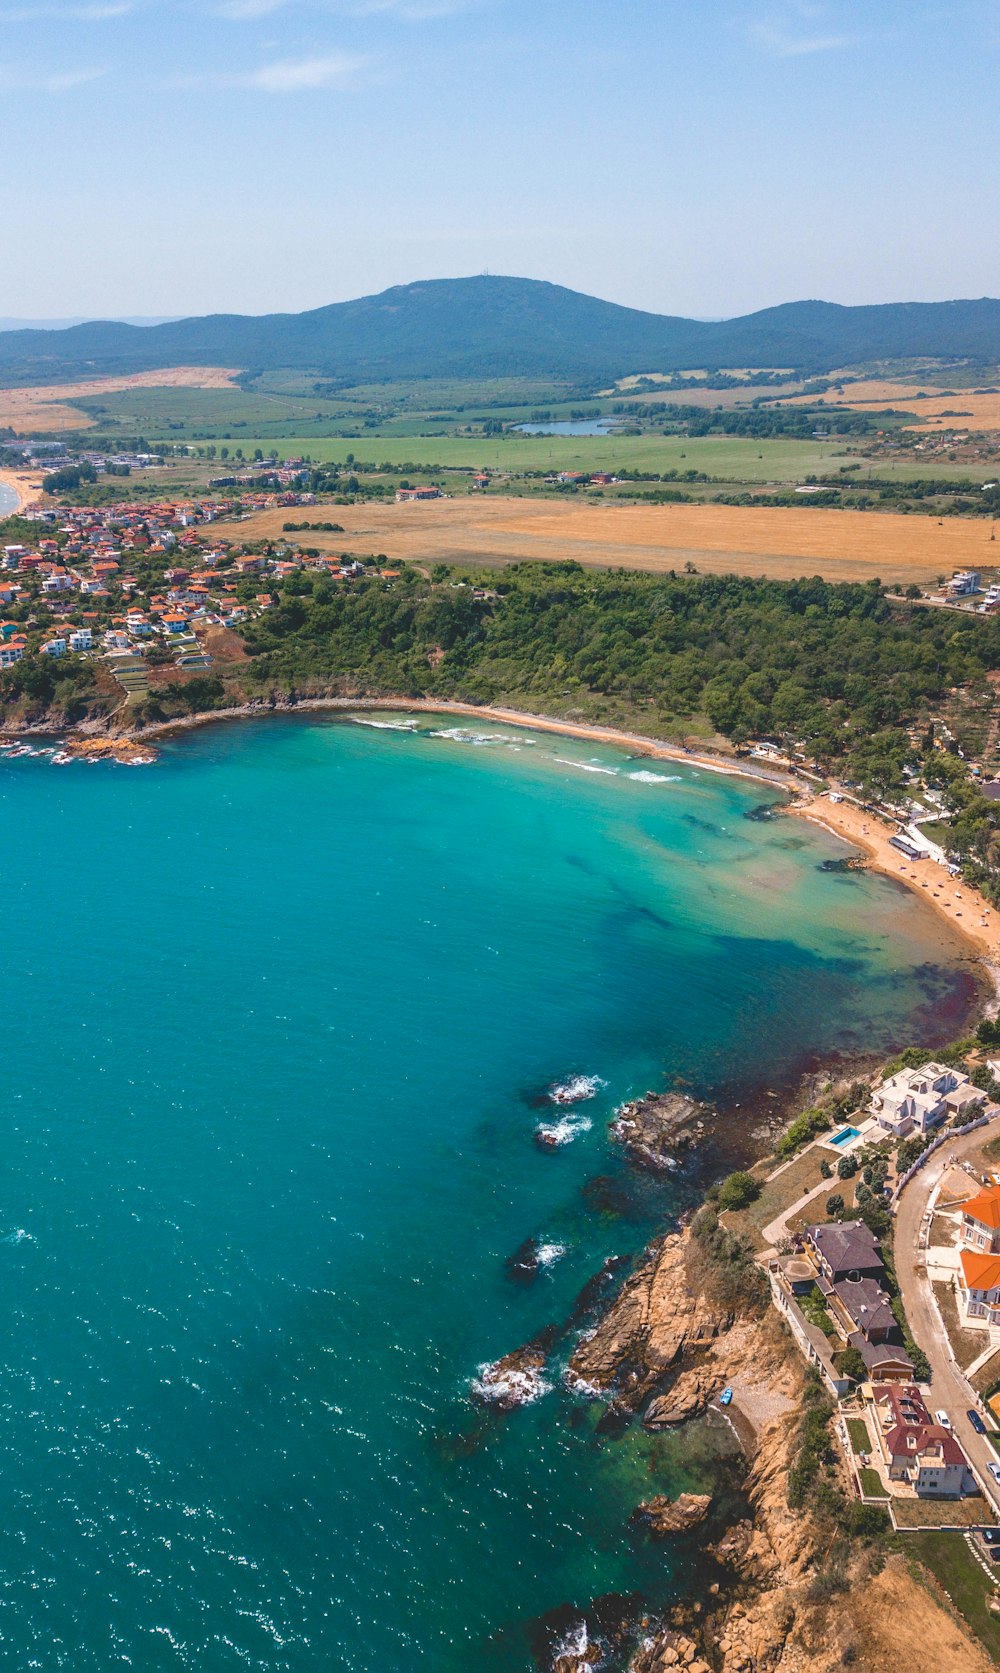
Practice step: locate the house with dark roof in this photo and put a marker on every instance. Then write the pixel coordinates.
(844, 1250)
(863, 1311)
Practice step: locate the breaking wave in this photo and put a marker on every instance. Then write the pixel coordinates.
(586, 766)
(385, 725)
(576, 1089)
(645, 777)
(554, 1134)
(497, 1384)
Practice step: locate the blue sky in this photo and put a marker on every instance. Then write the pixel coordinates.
(700, 157)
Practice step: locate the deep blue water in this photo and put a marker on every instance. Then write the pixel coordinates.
(278, 1015)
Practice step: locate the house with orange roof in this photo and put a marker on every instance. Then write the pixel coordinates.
(979, 1283)
(981, 1221)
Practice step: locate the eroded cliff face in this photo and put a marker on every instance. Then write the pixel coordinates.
(664, 1350)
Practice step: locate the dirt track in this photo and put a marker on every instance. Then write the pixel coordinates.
(841, 545)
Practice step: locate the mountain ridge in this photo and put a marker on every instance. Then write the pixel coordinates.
(496, 326)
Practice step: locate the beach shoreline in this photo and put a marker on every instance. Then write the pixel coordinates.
(653, 748)
(24, 485)
(963, 907)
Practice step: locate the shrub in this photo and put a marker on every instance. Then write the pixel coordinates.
(834, 1204)
(738, 1191)
(802, 1129)
(852, 1365)
(847, 1167)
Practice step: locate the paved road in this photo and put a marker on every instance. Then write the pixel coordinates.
(948, 1390)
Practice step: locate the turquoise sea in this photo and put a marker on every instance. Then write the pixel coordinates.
(280, 1016)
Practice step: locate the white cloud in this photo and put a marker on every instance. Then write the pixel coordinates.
(95, 13)
(783, 44)
(290, 75)
(409, 11)
(239, 11)
(14, 80)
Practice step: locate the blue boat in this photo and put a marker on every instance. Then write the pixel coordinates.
(725, 1397)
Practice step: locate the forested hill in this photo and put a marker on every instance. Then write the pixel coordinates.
(490, 327)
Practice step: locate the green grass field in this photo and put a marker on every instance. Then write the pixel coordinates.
(727, 459)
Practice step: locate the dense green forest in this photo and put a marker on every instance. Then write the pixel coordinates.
(835, 666)
(855, 680)
(494, 326)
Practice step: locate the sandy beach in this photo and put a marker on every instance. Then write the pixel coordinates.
(26, 485)
(964, 907)
(655, 748)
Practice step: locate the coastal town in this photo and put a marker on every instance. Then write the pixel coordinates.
(876, 1224)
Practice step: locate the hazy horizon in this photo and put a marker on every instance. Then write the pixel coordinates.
(145, 321)
(700, 159)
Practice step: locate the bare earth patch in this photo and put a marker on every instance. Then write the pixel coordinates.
(979, 412)
(745, 540)
(896, 1625)
(43, 409)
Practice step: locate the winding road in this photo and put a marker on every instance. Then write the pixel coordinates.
(949, 1390)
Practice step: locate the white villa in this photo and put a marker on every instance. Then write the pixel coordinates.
(917, 1100)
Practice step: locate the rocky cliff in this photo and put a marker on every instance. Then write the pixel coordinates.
(663, 1351)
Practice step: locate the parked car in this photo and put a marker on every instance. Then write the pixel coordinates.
(976, 1421)
(725, 1397)
(943, 1419)
(994, 1470)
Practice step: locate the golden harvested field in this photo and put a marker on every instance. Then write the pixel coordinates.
(42, 410)
(981, 412)
(840, 545)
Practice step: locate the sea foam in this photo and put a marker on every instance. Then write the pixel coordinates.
(576, 1089)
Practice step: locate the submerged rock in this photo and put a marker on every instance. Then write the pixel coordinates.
(531, 1258)
(658, 1128)
(662, 1516)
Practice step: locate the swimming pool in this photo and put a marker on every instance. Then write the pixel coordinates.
(845, 1135)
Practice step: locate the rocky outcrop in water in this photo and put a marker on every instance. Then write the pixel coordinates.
(662, 1516)
(657, 1129)
(517, 1378)
(658, 1321)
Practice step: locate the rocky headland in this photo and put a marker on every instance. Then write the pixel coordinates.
(800, 1597)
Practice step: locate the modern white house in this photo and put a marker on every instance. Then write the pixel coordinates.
(963, 583)
(81, 639)
(918, 1100)
(978, 1273)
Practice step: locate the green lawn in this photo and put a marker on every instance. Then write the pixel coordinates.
(719, 456)
(872, 1484)
(949, 1560)
(857, 1428)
